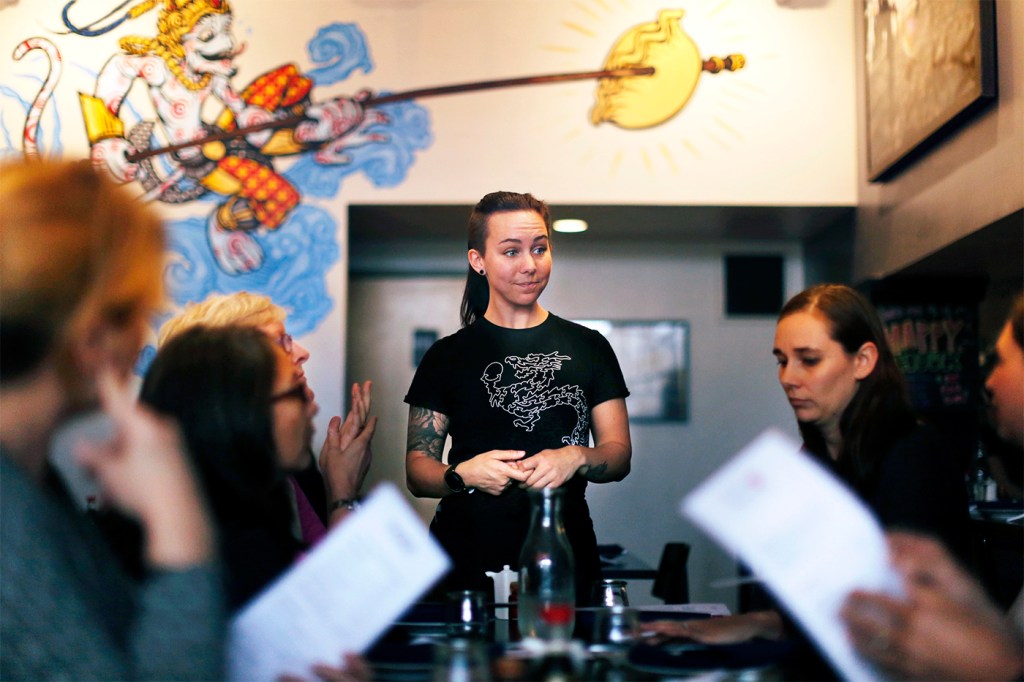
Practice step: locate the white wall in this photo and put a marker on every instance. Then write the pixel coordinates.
(778, 132)
(734, 392)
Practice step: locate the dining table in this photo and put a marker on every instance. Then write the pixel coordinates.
(428, 642)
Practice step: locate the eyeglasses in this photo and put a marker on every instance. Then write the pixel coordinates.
(296, 391)
(285, 341)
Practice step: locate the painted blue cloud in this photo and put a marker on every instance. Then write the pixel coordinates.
(297, 258)
(338, 50)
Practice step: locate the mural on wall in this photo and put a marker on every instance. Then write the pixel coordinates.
(646, 101)
(679, 116)
(255, 232)
(164, 114)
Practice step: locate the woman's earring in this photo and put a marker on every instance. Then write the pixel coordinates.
(482, 271)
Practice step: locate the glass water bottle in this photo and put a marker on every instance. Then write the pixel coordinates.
(547, 576)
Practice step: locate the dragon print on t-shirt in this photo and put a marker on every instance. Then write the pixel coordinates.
(533, 392)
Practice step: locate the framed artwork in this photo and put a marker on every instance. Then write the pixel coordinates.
(928, 66)
(655, 360)
(422, 340)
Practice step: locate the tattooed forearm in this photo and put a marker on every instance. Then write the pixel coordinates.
(594, 472)
(427, 431)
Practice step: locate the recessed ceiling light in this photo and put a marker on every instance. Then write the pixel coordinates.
(570, 225)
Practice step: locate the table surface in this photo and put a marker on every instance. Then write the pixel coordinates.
(421, 637)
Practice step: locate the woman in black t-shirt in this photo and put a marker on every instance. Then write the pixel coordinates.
(850, 401)
(520, 391)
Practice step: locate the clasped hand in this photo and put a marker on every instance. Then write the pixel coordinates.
(495, 470)
(551, 468)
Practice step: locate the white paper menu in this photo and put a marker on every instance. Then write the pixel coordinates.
(341, 596)
(803, 533)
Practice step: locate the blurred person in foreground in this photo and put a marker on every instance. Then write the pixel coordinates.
(850, 401)
(322, 496)
(946, 627)
(80, 271)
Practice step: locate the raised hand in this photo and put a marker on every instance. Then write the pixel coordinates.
(346, 454)
(356, 418)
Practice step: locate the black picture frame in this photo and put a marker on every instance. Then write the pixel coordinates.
(912, 98)
(655, 359)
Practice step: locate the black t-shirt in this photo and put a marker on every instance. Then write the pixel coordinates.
(514, 389)
(918, 486)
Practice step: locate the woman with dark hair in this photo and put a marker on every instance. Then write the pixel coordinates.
(519, 390)
(867, 409)
(851, 405)
(247, 420)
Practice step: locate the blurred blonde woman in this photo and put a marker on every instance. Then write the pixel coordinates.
(80, 270)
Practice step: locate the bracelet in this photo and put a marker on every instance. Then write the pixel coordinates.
(351, 504)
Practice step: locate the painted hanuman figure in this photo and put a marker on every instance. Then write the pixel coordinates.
(190, 59)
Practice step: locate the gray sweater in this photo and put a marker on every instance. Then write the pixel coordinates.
(67, 612)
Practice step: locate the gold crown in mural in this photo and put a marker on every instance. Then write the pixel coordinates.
(179, 16)
(176, 16)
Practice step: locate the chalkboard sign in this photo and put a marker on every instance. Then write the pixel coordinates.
(932, 325)
(936, 346)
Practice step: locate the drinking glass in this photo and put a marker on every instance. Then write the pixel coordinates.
(461, 660)
(609, 593)
(467, 614)
(616, 627)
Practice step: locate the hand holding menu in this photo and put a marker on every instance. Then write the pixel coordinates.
(341, 596)
(806, 535)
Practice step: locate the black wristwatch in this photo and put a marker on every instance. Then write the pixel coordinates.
(453, 481)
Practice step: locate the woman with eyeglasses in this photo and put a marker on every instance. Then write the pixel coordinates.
(329, 488)
(246, 416)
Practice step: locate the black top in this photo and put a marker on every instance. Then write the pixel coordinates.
(254, 548)
(514, 389)
(919, 486)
